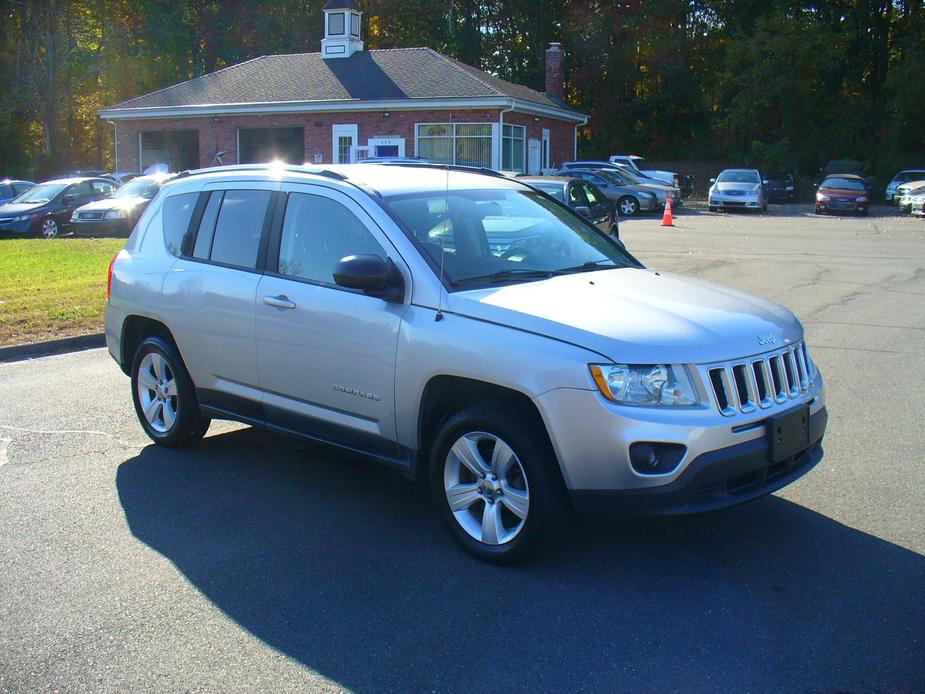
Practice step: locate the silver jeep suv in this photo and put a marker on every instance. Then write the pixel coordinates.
(467, 329)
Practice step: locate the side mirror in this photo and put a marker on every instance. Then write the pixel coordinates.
(712, 181)
(69, 199)
(371, 275)
(583, 210)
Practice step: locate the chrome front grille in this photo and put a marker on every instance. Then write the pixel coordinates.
(761, 382)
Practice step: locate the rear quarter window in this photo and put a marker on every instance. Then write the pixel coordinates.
(178, 210)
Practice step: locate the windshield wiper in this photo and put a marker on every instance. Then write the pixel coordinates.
(590, 266)
(506, 275)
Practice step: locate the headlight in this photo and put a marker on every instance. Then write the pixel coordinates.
(116, 214)
(863, 198)
(821, 198)
(644, 194)
(653, 385)
(25, 218)
(788, 188)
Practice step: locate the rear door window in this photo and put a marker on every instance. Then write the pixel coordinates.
(239, 227)
(6, 191)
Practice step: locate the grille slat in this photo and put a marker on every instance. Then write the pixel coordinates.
(761, 382)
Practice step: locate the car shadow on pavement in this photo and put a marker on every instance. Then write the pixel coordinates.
(343, 566)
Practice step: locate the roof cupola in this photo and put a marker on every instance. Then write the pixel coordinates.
(341, 29)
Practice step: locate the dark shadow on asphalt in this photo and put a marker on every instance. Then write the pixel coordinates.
(343, 566)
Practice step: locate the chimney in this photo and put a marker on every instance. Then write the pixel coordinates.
(555, 77)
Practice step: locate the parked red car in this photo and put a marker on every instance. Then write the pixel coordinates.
(842, 193)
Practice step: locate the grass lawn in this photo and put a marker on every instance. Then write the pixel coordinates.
(51, 289)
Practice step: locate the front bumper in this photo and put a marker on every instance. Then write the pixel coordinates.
(840, 206)
(593, 437)
(751, 202)
(713, 480)
(101, 228)
(9, 228)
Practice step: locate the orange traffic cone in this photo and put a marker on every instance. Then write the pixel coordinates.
(667, 221)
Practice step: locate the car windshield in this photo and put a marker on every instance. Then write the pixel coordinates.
(905, 176)
(615, 177)
(739, 177)
(843, 184)
(139, 188)
(487, 237)
(42, 192)
(631, 179)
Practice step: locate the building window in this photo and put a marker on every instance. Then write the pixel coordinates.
(355, 24)
(336, 24)
(344, 143)
(465, 144)
(512, 148)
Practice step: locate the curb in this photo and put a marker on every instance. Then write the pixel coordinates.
(45, 349)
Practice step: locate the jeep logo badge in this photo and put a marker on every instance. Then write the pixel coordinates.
(765, 339)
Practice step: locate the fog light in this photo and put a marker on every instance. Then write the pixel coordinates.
(649, 458)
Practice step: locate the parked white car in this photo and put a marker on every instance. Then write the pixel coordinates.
(892, 194)
(738, 188)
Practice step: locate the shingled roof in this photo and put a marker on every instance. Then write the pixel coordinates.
(373, 75)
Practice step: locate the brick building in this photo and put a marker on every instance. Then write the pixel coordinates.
(346, 103)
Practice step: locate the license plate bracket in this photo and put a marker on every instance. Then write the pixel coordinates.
(788, 434)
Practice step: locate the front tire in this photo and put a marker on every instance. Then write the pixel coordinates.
(628, 206)
(495, 481)
(49, 228)
(164, 397)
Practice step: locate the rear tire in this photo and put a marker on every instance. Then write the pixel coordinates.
(713, 208)
(503, 478)
(164, 396)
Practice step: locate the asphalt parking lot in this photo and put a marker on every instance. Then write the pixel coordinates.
(259, 563)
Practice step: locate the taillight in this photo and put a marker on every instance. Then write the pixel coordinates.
(109, 277)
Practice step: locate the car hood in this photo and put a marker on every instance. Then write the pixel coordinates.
(20, 208)
(637, 316)
(113, 204)
(726, 187)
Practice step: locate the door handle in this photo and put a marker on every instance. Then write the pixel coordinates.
(279, 302)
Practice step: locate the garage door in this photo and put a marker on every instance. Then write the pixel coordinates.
(260, 145)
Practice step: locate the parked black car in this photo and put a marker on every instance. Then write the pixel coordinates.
(582, 196)
(10, 189)
(45, 209)
(116, 216)
(780, 187)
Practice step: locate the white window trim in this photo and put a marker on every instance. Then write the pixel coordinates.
(342, 130)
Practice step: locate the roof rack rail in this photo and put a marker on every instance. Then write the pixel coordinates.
(485, 171)
(294, 168)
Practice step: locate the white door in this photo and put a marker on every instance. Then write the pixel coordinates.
(533, 157)
(344, 138)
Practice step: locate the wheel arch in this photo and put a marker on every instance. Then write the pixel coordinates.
(135, 330)
(444, 395)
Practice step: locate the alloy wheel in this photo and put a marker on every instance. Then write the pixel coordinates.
(486, 488)
(49, 228)
(157, 392)
(628, 206)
